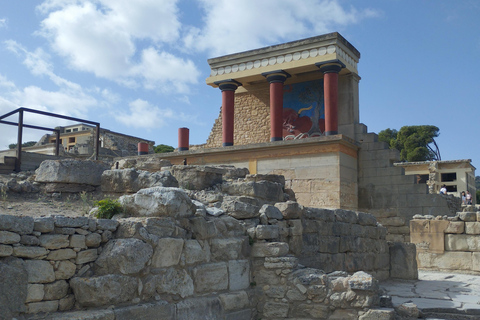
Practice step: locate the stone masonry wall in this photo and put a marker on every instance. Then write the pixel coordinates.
(251, 120)
(448, 243)
(390, 195)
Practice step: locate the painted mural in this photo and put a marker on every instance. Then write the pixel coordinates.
(303, 110)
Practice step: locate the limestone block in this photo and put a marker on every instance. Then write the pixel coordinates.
(161, 227)
(5, 250)
(403, 263)
(431, 242)
(18, 224)
(196, 251)
(266, 190)
(124, 256)
(29, 252)
(197, 177)
(281, 262)
(61, 254)
(13, 287)
(66, 303)
(56, 290)
(44, 306)
(70, 222)
(366, 219)
(44, 224)
(275, 309)
(107, 224)
(326, 215)
(241, 207)
(211, 277)
(238, 274)
(341, 229)
(455, 227)
(456, 242)
(35, 292)
(267, 232)
(270, 212)
(54, 241)
(71, 171)
(347, 216)
(200, 308)
(175, 282)
(234, 301)
(378, 314)
(295, 227)
(446, 261)
(472, 227)
(227, 249)
(86, 256)
(131, 180)
(157, 202)
(309, 311)
(202, 228)
(329, 244)
(290, 209)
(167, 252)
(476, 261)
(39, 271)
(473, 242)
(65, 270)
(276, 292)
(104, 290)
(7, 237)
(392, 221)
(155, 310)
(27, 240)
(269, 249)
(104, 314)
(467, 216)
(93, 240)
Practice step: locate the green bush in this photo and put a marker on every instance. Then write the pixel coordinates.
(107, 208)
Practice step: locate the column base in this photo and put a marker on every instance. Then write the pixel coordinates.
(331, 133)
(183, 149)
(141, 153)
(228, 144)
(276, 139)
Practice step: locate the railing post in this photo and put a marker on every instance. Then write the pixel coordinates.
(18, 162)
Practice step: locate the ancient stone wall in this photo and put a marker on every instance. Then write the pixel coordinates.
(448, 244)
(390, 195)
(251, 120)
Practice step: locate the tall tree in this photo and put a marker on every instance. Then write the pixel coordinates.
(413, 142)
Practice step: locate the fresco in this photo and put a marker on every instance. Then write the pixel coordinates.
(303, 110)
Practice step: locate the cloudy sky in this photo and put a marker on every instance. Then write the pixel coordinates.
(139, 67)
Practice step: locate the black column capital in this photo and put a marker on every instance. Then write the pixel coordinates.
(228, 85)
(276, 76)
(330, 66)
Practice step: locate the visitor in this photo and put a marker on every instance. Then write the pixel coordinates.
(468, 198)
(443, 190)
(464, 198)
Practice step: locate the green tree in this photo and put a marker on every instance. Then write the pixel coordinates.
(413, 142)
(25, 144)
(161, 148)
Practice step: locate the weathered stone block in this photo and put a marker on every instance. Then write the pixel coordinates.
(456, 242)
(103, 290)
(227, 249)
(455, 227)
(104, 314)
(54, 241)
(5, 250)
(13, 287)
(29, 252)
(93, 240)
(77, 241)
(447, 260)
(403, 263)
(472, 227)
(61, 254)
(269, 249)
(131, 180)
(200, 308)
(124, 256)
(234, 301)
(44, 224)
(65, 270)
(197, 177)
(241, 207)
(267, 232)
(56, 290)
(39, 271)
(476, 261)
(270, 212)
(211, 277)
(275, 309)
(44, 306)
(290, 209)
(267, 190)
(35, 292)
(86, 256)
(70, 222)
(167, 252)
(196, 251)
(175, 282)
(467, 216)
(238, 274)
(71, 171)
(18, 224)
(7, 237)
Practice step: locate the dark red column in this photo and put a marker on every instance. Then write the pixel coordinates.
(276, 80)
(330, 70)
(183, 139)
(228, 88)
(142, 148)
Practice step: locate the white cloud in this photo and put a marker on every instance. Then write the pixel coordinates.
(105, 37)
(3, 23)
(233, 26)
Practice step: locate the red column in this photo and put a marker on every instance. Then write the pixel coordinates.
(330, 70)
(276, 80)
(142, 148)
(183, 139)
(228, 88)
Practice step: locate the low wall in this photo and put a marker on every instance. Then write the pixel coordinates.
(448, 244)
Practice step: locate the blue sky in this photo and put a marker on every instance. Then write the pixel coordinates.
(139, 67)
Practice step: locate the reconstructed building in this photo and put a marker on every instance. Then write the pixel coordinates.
(293, 109)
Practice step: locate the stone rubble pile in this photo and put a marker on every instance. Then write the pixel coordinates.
(227, 245)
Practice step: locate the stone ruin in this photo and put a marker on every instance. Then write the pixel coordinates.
(194, 242)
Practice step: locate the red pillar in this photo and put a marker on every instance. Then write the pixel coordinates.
(330, 70)
(142, 148)
(183, 139)
(228, 88)
(276, 80)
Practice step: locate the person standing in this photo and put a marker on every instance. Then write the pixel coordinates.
(468, 198)
(464, 198)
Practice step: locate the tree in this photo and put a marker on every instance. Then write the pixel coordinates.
(413, 142)
(477, 186)
(25, 144)
(162, 148)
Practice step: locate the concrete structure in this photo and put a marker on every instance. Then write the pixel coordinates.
(457, 175)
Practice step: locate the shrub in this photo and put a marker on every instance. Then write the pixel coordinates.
(107, 208)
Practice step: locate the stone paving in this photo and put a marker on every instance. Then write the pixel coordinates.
(437, 293)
